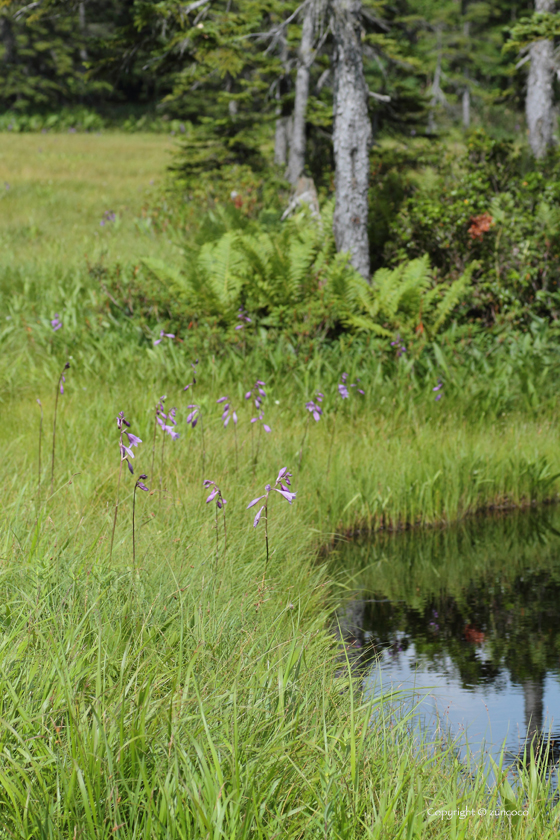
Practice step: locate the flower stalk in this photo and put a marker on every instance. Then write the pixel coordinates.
(39, 403)
(280, 486)
(59, 391)
(138, 485)
(216, 496)
(125, 453)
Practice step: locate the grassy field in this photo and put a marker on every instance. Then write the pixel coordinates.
(56, 188)
(198, 692)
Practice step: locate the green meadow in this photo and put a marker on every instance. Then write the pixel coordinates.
(197, 691)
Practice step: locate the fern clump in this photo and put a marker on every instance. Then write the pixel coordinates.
(291, 274)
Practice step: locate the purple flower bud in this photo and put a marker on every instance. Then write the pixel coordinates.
(266, 428)
(142, 486)
(212, 495)
(248, 395)
(129, 465)
(257, 518)
(255, 501)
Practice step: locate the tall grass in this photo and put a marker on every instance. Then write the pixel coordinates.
(174, 699)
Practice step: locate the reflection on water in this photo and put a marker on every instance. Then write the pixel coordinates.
(467, 618)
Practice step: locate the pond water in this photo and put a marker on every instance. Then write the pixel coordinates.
(468, 620)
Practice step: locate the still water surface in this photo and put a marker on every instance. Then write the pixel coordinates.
(467, 619)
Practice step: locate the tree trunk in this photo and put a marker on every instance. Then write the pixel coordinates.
(8, 39)
(281, 138)
(538, 105)
(466, 108)
(83, 29)
(466, 90)
(283, 122)
(351, 136)
(533, 694)
(305, 60)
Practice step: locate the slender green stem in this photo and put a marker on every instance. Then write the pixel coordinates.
(265, 537)
(40, 444)
(133, 526)
(154, 445)
(217, 538)
(331, 445)
(202, 436)
(116, 507)
(236, 460)
(225, 531)
(303, 440)
(255, 462)
(162, 457)
(54, 435)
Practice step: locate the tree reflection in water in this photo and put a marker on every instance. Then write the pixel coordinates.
(484, 594)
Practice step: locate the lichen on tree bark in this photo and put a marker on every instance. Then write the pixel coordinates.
(538, 104)
(352, 136)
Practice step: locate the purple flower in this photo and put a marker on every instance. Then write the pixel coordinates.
(399, 345)
(227, 412)
(257, 392)
(192, 417)
(168, 427)
(260, 419)
(438, 387)
(215, 493)
(283, 480)
(193, 365)
(343, 388)
(140, 484)
(132, 439)
(163, 335)
(314, 408)
(126, 451)
(108, 216)
(243, 317)
(56, 323)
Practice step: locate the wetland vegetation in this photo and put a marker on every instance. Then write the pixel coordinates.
(263, 368)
